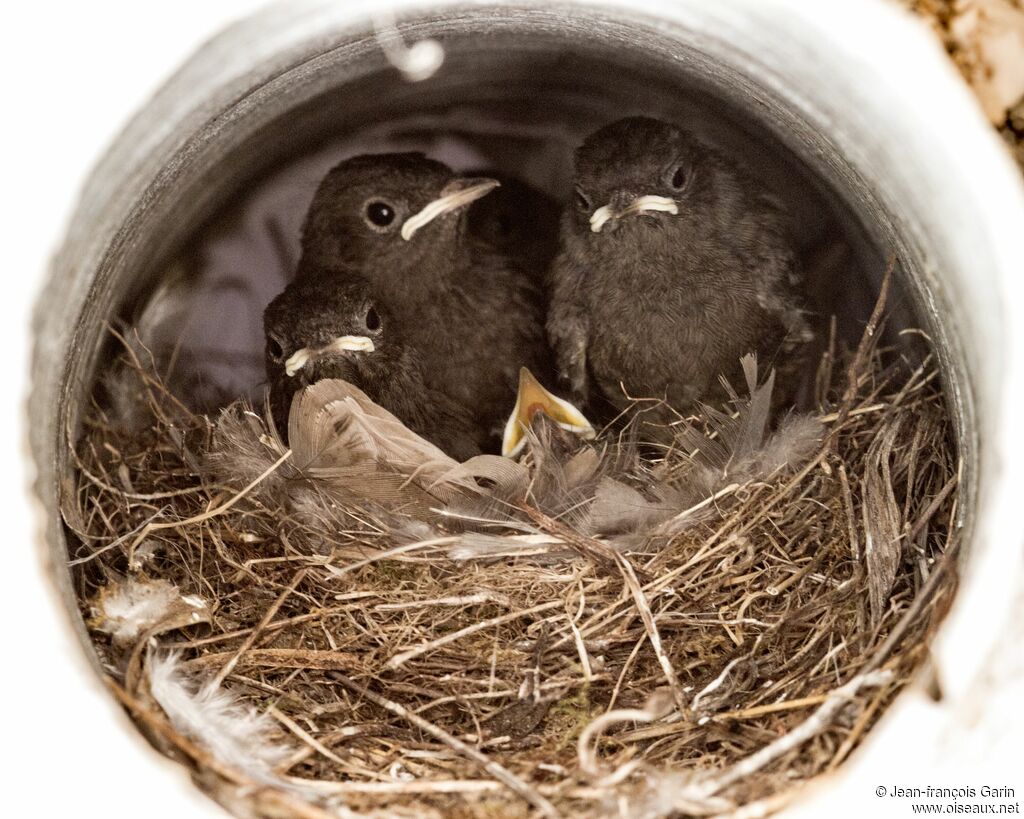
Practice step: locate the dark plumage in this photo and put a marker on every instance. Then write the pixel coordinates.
(469, 310)
(673, 265)
(312, 315)
(522, 223)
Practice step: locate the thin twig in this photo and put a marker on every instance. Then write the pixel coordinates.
(152, 526)
(809, 728)
(652, 631)
(401, 659)
(256, 632)
(502, 774)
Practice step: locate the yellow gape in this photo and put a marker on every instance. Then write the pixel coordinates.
(531, 399)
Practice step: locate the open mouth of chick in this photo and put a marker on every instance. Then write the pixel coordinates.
(532, 398)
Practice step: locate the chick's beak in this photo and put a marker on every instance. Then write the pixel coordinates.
(456, 195)
(531, 399)
(300, 358)
(626, 205)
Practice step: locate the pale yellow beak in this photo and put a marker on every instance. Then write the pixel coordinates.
(456, 195)
(531, 399)
(642, 204)
(300, 358)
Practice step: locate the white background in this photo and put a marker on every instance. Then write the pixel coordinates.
(73, 73)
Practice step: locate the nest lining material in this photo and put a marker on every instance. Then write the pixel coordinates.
(310, 652)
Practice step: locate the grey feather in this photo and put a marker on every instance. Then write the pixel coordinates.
(732, 448)
(883, 546)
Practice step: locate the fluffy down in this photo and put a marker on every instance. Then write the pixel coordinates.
(235, 733)
(128, 609)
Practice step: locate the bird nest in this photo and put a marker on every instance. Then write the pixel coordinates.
(310, 651)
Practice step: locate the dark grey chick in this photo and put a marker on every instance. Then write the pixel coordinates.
(321, 328)
(473, 316)
(673, 264)
(522, 223)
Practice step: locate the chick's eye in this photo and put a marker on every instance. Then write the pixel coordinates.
(274, 349)
(373, 322)
(581, 199)
(678, 178)
(380, 214)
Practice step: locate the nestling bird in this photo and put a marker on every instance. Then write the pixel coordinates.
(533, 399)
(321, 328)
(673, 265)
(522, 223)
(470, 312)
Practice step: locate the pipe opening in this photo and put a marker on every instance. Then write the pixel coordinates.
(208, 232)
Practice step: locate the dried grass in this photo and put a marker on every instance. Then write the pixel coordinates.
(744, 655)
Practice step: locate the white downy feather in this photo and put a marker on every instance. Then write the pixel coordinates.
(234, 732)
(128, 609)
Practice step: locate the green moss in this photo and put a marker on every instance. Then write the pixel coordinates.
(569, 716)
